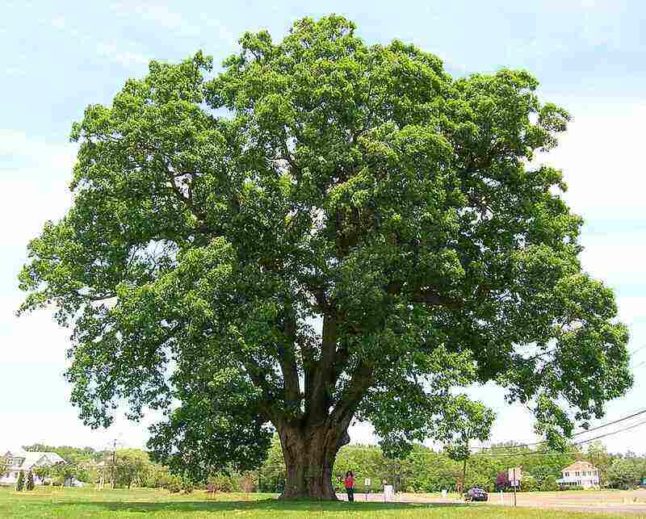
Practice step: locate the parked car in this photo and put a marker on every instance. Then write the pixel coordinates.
(476, 494)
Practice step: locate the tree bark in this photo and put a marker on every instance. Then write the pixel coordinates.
(309, 455)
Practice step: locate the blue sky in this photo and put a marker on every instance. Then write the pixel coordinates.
(57, 57)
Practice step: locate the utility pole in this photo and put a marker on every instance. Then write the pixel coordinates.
(114, 460)
(515, 484)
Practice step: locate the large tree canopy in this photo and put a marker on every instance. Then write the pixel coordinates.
(324, 230)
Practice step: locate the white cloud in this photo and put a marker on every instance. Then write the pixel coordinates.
(160, 14)
(17, 144)
(36, 172)
(617, 260)
(58, 22)
(33, 338)
(631, 308)
(601, 155)
(125, 58)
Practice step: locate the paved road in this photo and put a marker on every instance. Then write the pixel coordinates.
(604, 501)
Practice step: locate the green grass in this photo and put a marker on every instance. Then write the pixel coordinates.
(44, 503)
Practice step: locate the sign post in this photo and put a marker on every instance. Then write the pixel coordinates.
(367, 483)
(515, 481)
(514, 475)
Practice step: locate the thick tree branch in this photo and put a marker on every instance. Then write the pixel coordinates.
(287, 361)
(355, 390)
(318, 379)
(427, 295)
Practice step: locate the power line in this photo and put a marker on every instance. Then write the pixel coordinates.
(602, 426)
(612, 433)
(579, 433)
(638, 349)
(581, 442)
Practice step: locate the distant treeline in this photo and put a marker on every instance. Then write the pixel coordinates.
(423, 470)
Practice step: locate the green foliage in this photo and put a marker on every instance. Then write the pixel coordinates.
(131, 467)
(529, 483)
(174, 484)
(64, 472)
(222, 482)
(20, 482)
(626, 472)
(43, 472)
(548, 484)
(319, 179)
(187, 486)
(81, 463)
(600, 458)
(425, 470)
(271, 475)
(157, 476)
(74, 455)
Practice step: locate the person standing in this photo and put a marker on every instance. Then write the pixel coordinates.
(349, 485)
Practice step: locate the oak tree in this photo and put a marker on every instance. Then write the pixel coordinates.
(324, 230)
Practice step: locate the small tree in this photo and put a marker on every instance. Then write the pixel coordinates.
(42, 472)
(623, 473)
(132, 467)
(20, 484)
(502, 480)
(30, 480)
(548, 484)
(600, 458)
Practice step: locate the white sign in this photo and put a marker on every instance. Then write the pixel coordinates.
(515, 475)
(368, 482)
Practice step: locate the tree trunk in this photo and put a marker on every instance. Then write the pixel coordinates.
(309, 459)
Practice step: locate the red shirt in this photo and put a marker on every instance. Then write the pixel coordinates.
(349, 482)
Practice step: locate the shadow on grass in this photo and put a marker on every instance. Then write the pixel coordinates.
(260, 505)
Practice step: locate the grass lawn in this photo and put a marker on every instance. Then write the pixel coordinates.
(47, 502)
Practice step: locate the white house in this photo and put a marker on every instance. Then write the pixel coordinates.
(580, 474)
(25, 461)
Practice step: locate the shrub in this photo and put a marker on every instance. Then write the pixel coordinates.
(30, 480)
(20, 483)
(223, 483)
(548, 484)
(174, 484)
(248, 482)
(571, 488)
(528, 484)
(502, 480)
(187, 486)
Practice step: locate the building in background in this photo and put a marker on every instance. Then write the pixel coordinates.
(25, 461)
(580, 474)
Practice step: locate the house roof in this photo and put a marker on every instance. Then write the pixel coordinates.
(579, 465)
(32, 459)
